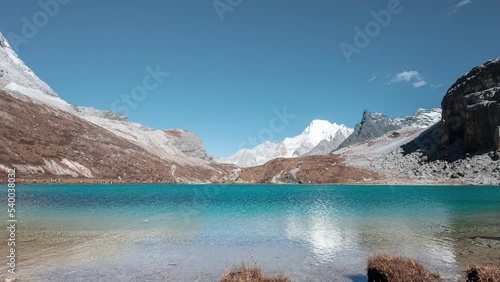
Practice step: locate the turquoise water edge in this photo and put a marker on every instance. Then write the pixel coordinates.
(197, 232)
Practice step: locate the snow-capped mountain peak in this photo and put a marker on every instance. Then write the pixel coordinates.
(321, 129)
(3, 42)
(13, 71)
(318, 131)
(423, 118)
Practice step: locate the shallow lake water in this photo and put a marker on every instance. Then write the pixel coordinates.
(198, 232)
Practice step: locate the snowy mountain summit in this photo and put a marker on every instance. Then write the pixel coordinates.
(15, 74)
(423, 118)
(318, 131)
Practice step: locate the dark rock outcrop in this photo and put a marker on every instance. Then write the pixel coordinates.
(373, 125)
(471, 109)
(497, 139)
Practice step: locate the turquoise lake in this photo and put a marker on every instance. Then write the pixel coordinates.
(198, 232)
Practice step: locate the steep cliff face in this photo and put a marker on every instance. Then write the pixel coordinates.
(162, 143)
(189, 143)
(471, 109)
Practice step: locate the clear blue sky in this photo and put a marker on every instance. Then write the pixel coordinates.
(226, 77)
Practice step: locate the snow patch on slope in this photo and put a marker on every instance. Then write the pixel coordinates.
(56, 169)
(4, 168)
(37, 95)
(80, 169)
(64, 168)
(29, 169)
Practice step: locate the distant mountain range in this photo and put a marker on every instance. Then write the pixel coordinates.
(317, 132)
(322, 137)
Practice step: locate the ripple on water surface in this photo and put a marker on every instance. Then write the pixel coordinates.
(186, 233)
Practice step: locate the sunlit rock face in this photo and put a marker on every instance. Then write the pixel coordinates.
(471, 108)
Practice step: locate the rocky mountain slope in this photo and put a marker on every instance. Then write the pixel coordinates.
(460, 149)
(415, 156)
(317, 132)
(45, 137)
(471, 109)
(163, 143)
(374, 125)
(307, 170)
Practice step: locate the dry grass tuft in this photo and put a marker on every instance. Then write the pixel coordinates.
(478, 273)
(254, 274)
(388, 268)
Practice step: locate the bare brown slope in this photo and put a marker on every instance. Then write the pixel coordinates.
(37, 140)
(327, 169)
